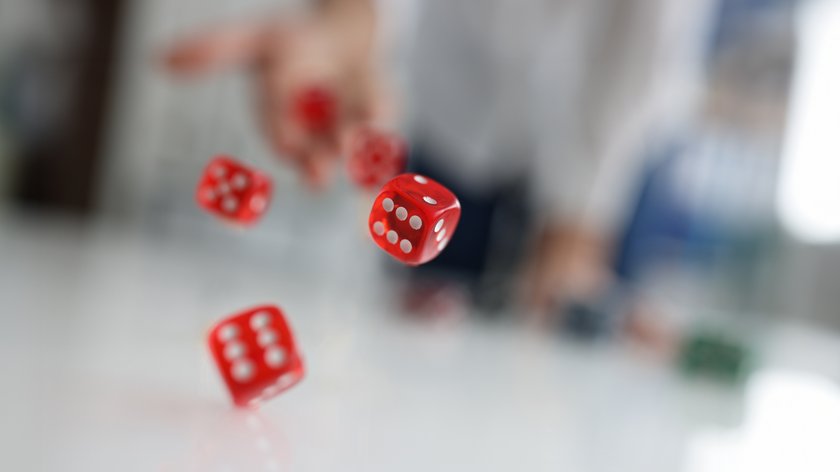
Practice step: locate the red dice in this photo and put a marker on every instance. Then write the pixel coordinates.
(256, 354)
(375, 157)
(413, 218)
(316, 109)
(233, 191)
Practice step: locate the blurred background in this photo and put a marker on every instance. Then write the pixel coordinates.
(709, 343)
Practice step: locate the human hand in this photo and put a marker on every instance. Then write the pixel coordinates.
(567, 263)
(325, 49)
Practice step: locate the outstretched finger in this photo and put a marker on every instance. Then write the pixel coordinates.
(219, 47)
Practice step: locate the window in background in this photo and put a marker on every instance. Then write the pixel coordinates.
(809, 187)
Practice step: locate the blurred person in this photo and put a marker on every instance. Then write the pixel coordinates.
(534, 112)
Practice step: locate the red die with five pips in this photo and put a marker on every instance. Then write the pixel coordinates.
(233, 191)
(413, 218)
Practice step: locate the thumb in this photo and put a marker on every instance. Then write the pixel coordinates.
(218, 48)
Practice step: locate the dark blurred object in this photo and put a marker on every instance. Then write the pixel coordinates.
(714, 356)
(59, 81)
(586, 320)
(594, 318)
(492, 237)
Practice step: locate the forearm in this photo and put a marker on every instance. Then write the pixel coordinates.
(360, 13)
(342, 3)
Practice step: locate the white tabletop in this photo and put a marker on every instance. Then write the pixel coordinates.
(104, 369)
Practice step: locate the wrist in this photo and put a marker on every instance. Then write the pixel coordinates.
(352, 21)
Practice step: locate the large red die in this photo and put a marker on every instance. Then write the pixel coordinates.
(233, 191)
(256, 354)
(413, 218)
(375, 157)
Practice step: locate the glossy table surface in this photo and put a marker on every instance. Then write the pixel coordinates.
(104, 368)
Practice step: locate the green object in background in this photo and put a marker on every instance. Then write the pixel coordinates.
(714, 356)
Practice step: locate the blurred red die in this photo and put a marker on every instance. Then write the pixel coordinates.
(413, 218)
(233, 191)
(256, 354)
(316, 109)
(375, 157)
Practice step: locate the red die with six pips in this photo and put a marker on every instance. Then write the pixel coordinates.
(256, 354)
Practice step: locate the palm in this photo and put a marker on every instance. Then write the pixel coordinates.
(286, 57)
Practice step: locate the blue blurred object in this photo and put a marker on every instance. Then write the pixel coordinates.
(704, 205)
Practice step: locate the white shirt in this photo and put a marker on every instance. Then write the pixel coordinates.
(564, 92)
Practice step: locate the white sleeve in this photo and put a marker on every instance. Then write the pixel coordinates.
(607, 74)
(396, 26)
